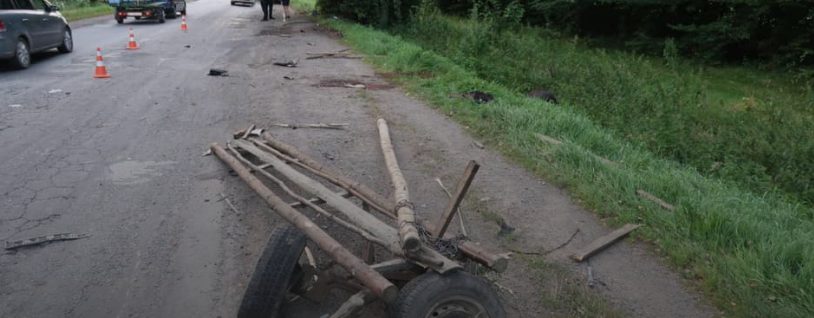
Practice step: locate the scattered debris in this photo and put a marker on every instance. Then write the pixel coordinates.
(603, 242)
(54, 91)
(544, 95)
(554, 141)
(290, 63)
(477, 144)
(341, 54)
(505, 229)
(318, 125)
(657, 200)
(229, 203)
(15, 105)
(288, 77)
(590, 276)
(207, 153)
(247, 132)
(284, 35)
(348, 85)
(187, 46)
(44, 239)
(218, 72)
(309, 43)
(479, 97)
(564, 244)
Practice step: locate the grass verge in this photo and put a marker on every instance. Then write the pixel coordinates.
(74, 12)
(754, 255)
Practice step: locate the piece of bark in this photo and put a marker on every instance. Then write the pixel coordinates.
(377, 284)
(457, 198)
(408, 234)
(603, 242)
(660, 202)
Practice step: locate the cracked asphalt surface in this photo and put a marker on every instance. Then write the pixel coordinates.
(121, 159)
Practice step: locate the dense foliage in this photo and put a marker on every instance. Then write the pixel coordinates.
(776, 32)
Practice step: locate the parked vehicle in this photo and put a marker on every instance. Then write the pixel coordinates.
(148, 9)
(30, 26)
(248, 3)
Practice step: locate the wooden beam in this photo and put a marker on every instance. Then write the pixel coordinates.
(457, 198)
(603, 242)
(408, 234)
(350, 307)
(377, 284)
(315, 200)
(660, 202)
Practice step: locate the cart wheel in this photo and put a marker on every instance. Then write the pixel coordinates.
(455, 294)
(273, 276)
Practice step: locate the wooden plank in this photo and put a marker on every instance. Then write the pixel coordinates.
(457, 198)
(297, 204)
(603, 242)
(660, 202)
(379, 285)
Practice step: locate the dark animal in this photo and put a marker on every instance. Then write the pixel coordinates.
(544, 95)
(479, 97)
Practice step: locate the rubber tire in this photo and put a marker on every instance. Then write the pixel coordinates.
(417, 297)
(119, 21)
(233, 3)
(273, 274)
(15, 61)
(171, 14)
(62, 48)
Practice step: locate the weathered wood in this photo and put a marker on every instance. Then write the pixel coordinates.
(298, 204)
(457, 198)
(248, 131)
(603, 242)
(45, 239)
(355, 214)
(305, 201)
(353, 304)
(459, 212)
(404, 208)
(497, 262)
(494, 261)
(359, 190)
(377, 284)
(657, 200)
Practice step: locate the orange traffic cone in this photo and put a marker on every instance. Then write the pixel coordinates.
(101, 70)
(132, 45)
(184, 23)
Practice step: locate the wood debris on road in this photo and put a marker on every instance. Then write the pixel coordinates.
(603, 242)
(44, 239)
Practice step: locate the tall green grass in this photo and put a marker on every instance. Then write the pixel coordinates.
(74, 10)
(752, 128)
(753, 254)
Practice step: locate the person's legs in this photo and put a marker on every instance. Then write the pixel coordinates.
(285, 4)
(264, 6)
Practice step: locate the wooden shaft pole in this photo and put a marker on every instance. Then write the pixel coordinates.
(455, 201)
(374, 281)
(404, 208)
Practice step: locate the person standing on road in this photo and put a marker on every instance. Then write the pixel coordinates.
(267, 6)
(286, 13)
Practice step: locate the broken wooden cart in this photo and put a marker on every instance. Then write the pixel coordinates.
(426, 264)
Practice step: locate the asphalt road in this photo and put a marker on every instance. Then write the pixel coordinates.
(120, 159)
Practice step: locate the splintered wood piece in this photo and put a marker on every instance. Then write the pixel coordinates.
(317, 125)
(44, 239)
(248, 132)
(554, 141)
(457, 198)
(377, 284)
(408, 234)
(298, 204)
(548, 139)
(660, 202)
(459, 212)
(603, 242)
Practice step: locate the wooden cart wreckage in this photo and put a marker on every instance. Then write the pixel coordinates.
(427, 261)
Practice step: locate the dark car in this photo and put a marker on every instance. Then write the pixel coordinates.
(148, 9)
(30, 26)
